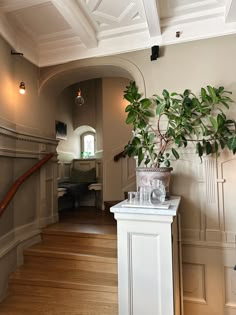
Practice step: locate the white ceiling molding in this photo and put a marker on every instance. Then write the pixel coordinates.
(152, 12)
(230, 11)
(117, 66)
(78, 21)
(51, 32)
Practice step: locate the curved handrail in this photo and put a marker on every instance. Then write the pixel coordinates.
(11, 192)
(120, 155)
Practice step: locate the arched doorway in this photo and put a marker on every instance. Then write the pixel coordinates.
(55, 79)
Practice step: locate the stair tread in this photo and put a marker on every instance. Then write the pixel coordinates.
(82, 230)
(73, 252)
(21, 305)
(74, 278)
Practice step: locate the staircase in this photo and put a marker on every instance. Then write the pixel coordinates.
(68, 273)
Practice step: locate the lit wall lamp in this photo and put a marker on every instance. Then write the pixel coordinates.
(79, 100)
(22, 88)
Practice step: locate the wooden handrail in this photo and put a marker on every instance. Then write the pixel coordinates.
(11, 192)
(120, 155)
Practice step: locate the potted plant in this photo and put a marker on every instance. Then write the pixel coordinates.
(164, 124)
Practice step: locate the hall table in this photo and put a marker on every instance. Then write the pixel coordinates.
(149, 258)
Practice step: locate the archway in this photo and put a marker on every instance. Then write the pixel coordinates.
(57, 78)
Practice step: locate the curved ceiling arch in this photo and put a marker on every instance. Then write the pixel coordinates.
(59, 77)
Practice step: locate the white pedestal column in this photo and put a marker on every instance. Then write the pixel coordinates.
(145, 259)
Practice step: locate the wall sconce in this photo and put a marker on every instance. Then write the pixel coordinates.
(22, 88)
(79, 100)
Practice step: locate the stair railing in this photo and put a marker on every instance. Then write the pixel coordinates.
(15, 186)
(120, 155)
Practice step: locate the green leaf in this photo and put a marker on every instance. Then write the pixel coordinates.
(147, 113)
(160, 109)
(136, 141)
(232, 143)
(167, 163)
(158, 99)
(147, 161)
(212, 92)
(220, 120)
(203, 93)
(146, 103)
(199, 149)
(214, 123)
(220, 89)
(175, 153)
(130, 118)
(140, 156)
(186, 93)
(225, 104)
(208, 148)
(222, 143)
(129, 98)
(128, 108)
(151, 137)
(166, 94)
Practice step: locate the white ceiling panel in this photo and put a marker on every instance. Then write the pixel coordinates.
(109, 14)
(55, 31)
(39, 20)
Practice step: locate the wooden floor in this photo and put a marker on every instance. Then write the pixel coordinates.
(88, 219)
(73, 271)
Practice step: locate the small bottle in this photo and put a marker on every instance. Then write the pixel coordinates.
(158, 194)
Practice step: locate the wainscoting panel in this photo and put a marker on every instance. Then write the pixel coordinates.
(34, 204)
(187, 180)
(140, 245)
(194, 283)
(227, 172)
(203, 280)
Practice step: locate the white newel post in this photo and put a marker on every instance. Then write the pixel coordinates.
(148, 272)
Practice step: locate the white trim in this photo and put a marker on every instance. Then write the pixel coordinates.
(13, 238)
(48, 220)
(129, 67)
(208, 244)
(230, 11)
(20, 234)
(78, 21)
(11, 132)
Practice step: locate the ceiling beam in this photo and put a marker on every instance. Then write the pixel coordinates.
(152, 13)
(80, 24)
(230, 11)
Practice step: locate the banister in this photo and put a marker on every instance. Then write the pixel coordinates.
(120, 155)
(11, 192)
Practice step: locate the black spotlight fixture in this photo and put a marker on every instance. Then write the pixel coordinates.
(155, 53)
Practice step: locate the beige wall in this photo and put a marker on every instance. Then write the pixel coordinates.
(115, 135)
(99, 117)
(85, 114)
(24, 127)
(68, 149)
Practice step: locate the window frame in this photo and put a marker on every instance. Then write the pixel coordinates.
(82, 136)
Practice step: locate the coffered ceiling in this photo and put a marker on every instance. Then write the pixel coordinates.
(56, 31)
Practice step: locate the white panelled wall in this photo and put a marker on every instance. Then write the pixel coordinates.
(208, 233)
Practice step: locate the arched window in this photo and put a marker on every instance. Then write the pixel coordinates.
(88, 144)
